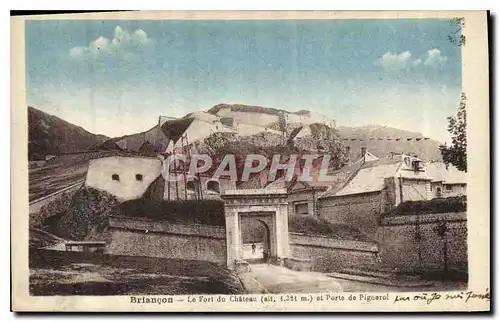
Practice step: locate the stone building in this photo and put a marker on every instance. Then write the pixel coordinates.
(266, 207)
(447, 180)
(133, 177)
(201, 187)
(303, 195)
(373, 188)
(126, 178)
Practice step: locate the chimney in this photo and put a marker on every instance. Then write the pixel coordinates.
(363, 154)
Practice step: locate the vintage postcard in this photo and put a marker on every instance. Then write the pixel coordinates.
(251, 161)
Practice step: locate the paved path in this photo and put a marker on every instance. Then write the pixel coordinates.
(277, 279)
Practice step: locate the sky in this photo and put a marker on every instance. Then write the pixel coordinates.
(116, 77)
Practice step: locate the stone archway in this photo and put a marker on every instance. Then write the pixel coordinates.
(270, 207)
(255, 236)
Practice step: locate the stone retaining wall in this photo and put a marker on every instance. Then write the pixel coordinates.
(328, 254)
(141, 237)
(413, 243)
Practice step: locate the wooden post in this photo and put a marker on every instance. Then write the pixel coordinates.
(418, 239)
(168, 181)
(400, 189)
(200, 188)
(184, 169)
(441, 229)
(445, 253)
(175, 170)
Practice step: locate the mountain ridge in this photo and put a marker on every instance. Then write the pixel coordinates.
(51, 135)
(383, 140)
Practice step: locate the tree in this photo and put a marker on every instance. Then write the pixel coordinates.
(456, 154)
(456, 37)
(282, 126)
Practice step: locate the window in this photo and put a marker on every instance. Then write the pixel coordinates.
(115, 177)
(301, 209)
(448, 187)
(138, 177)
(438, 192)
(191, 186)
(416, 165)
(213, 187)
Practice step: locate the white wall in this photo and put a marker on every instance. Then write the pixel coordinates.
(200, 130)
(243, 129)
(310, 118)
(259, 119)
(263, 119)
(456, 190)
(100, 172)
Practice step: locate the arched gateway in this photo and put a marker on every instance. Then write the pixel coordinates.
(268, 206)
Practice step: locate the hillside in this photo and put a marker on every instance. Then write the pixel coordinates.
(382, 140)
(49, 134)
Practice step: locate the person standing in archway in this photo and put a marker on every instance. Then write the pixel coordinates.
(266, 254)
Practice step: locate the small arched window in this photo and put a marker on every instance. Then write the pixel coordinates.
(138, 177)
(213, 186)
(191, 186)
(115, 177)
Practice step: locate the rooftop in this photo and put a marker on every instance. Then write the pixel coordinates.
(368, 177)
(439, 172)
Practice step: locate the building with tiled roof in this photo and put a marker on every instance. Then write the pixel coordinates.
(303, 194)
(377, 186)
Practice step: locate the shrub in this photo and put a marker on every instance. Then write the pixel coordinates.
(433, 206)
(318, 226)
(53, 209)
(204, 212)
(89, 209)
